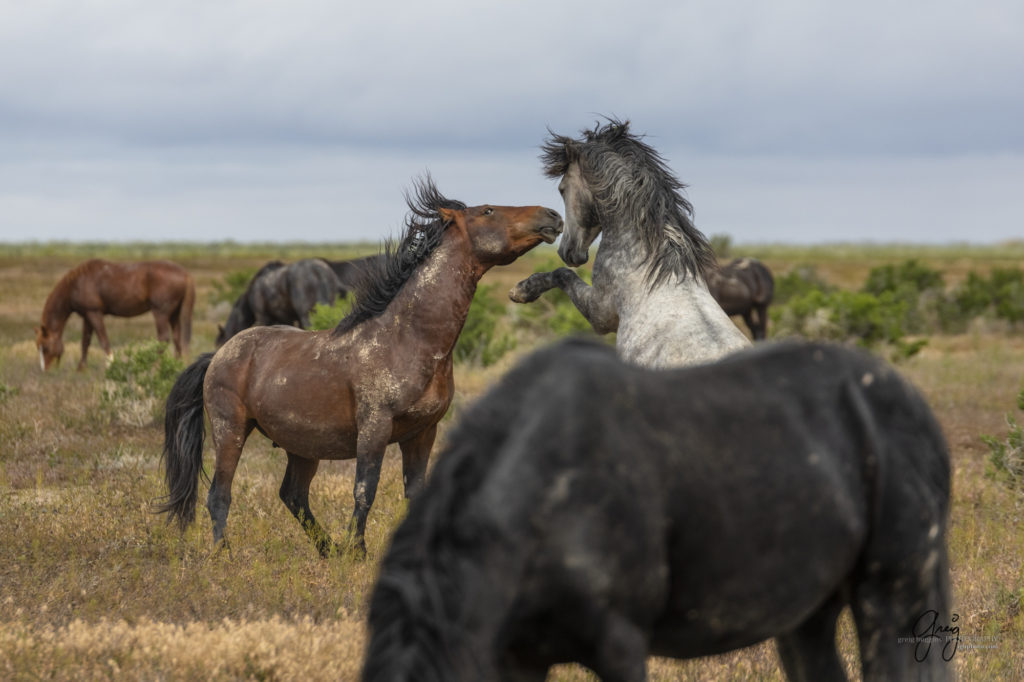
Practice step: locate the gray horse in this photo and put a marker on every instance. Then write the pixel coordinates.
(649, 272)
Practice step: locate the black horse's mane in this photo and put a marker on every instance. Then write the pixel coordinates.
(380, 279)
(632, 183)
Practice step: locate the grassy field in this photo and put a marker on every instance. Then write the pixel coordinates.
(94, 586)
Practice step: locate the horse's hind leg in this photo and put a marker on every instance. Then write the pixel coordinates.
(163, 326)
(762, 321)
(228, 435)
(295, 495)
(905, 622)
(809, 652)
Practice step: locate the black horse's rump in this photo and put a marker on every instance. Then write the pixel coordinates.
(744, 286)
(282, 293)
(589, 510)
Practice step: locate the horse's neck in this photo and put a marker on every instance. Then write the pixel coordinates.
(434, 302)
(675, 322)
(57, 308)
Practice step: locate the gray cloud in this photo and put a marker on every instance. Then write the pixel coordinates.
(216, 116)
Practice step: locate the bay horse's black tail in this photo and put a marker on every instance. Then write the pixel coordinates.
(184, 432)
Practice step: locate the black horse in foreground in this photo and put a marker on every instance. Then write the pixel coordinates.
(590, 510)
(744, 286)
(281, 294)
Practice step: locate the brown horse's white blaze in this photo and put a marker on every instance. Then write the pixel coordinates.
(97, 287)
(347, 393)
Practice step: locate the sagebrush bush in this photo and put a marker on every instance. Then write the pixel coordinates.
(137, 381)
(1006, 455)
(328, 316)
(799, 281)
(917, 287)
(231, 286)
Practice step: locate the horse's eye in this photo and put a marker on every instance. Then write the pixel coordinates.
(488, 211)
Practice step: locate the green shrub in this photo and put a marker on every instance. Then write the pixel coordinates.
(231, 286)
(799, 281)
(908, 276)
(328, 316)
(1006, 456)
(848, 316)
(1000, 295)
(484, 338)
(919, 288)
(137, 381)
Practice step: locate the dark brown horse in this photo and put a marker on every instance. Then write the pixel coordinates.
(99, 287)
(383, 375)
(744, 287)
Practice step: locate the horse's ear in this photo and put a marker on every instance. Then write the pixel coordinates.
(447, 215)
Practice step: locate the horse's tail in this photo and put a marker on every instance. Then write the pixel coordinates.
(184, 432)
(188, 303)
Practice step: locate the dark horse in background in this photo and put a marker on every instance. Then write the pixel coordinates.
(281, 294)
(98, 287)
(383, 375)
(350, 272)
(744, 286)
(587, 509)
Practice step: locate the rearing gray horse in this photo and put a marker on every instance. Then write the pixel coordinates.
(649, 272)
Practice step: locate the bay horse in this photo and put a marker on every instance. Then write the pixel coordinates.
(99, 287)
(590, 510)
(649, 271)
(383, 375)
(281, 294)
(744, 286)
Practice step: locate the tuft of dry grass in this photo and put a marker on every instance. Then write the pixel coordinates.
(93, 585)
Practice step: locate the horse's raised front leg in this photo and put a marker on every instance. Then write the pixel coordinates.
(370, 445)
(295, 495)
(415, 455)
(598, 308)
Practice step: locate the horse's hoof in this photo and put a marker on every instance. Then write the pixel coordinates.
(520, 294)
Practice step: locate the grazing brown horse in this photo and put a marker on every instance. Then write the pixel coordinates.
(744, 287)
(98, 287)
(383, 375)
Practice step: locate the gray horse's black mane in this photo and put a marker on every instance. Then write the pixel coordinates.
(380, 279)
(632, 184)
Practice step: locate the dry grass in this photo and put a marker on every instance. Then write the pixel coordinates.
(94, 586)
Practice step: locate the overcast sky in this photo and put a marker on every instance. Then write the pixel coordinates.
(795, 121)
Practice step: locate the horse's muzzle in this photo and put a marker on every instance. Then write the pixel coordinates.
(549, 232)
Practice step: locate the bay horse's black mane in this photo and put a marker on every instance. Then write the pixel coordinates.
(380, 280)
(633, 182)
